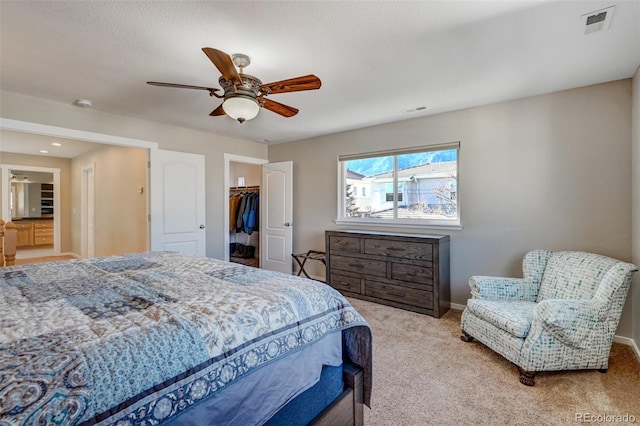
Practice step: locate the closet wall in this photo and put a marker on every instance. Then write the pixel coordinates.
(245, 180)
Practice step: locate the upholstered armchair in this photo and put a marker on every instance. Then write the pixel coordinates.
(562, 315)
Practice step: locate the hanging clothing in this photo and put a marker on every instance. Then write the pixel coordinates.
(245, 214)
(239, 215)
(250, 223)
(234, 203)
(243, 211)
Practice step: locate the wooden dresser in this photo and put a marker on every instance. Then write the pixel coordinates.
(401, 270)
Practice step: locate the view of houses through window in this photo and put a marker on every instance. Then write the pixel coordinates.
(415, 185)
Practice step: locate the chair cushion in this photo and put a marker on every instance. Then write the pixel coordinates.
(513, 316)
(573, 275)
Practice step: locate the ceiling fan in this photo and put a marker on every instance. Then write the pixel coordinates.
(245, 94)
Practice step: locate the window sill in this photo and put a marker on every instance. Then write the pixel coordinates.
(386, 224)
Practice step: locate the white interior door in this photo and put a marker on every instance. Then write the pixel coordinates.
(276, 213)
(177, 202)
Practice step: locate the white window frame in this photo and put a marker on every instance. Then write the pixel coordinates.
(452, 224)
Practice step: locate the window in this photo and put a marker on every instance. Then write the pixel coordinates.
(414, 187)
(388, 189)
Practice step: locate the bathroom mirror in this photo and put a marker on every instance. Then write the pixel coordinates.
(31, 195)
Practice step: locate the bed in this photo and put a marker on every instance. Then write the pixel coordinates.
(168, 338)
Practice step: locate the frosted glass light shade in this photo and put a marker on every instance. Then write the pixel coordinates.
(241, 108)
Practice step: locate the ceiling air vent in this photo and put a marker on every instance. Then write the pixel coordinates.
(600, 20)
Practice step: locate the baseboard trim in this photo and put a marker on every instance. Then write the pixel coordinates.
(618, 339)
(70, 254)
(456, 306)
(629, 342)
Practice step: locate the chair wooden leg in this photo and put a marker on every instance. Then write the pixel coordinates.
(527, 377)
(466, 337)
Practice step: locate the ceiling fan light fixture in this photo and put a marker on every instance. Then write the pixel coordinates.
(241, 108)
(244, 94)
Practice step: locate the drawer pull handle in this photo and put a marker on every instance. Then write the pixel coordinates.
(346, 284)
(356, 265)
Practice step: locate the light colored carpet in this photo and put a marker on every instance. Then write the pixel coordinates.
(425, 375)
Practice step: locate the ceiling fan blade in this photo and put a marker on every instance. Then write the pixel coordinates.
(223, 62)
(217, 111)
(278, 108)
(182, 86)
(305, 82)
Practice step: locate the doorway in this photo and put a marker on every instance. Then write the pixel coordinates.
(31, 199)
(243, 177)
(275, 210)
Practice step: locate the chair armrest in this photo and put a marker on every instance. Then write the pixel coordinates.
(500, 288)
(570, 321)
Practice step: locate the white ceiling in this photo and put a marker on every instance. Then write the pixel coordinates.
(375, 58)
(31, 144)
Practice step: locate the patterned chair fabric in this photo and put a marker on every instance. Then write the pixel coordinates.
(562, 315)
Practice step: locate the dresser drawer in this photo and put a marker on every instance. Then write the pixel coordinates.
(21, 225)
(421, 276)
(399, 294)
(43, 240)
(340, 243)
(403, 249)
(43, 232)
(376, 268)
(43, 225)
(345, 283)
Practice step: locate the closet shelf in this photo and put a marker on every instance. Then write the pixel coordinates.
(244, 188)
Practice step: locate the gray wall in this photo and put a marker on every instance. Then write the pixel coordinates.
(551, 171)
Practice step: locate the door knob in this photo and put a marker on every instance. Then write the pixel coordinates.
(287, 224)
(201, 226)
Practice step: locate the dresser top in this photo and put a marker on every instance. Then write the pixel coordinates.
(391, 234)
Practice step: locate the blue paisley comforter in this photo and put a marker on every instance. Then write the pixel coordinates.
(137, 339)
